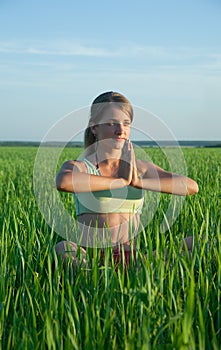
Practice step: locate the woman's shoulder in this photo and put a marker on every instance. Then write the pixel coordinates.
(86, 164)
(74, 164)
(147, 168)
(143, 165)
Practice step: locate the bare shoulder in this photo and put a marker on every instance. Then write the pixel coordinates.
(143, 165)
(148, 169)
(73, 165)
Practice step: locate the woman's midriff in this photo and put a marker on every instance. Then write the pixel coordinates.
(117, 227)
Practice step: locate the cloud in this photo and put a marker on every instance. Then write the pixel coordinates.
(56, 49)
(141, 56)
(70, 48)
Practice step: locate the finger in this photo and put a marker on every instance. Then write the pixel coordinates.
(126, 152)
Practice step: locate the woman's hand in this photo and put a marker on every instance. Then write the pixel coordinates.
(126, 163)
(128, 168)
(136, 179)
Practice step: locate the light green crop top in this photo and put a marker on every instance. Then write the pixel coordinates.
(122, 200)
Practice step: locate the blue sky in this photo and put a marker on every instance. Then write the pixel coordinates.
(57, 56)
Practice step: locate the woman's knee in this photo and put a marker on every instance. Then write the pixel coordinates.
(70, 250)
(189, 243)
(65, 247)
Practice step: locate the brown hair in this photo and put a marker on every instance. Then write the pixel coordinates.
(97, 109)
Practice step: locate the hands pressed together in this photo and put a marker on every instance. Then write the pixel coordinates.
(128, 167)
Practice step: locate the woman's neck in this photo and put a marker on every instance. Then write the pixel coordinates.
(109, 158)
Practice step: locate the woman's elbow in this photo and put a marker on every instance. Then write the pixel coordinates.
(192, 187)
(60, 183)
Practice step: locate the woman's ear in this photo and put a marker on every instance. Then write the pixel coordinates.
(93, 129)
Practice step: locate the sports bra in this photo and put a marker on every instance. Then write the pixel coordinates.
(121, 200)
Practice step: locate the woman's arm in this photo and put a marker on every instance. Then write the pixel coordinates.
(73, 178)
(154, 178)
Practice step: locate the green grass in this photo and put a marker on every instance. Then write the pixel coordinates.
(158, 306)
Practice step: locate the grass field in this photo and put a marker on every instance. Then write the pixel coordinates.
(172, 305)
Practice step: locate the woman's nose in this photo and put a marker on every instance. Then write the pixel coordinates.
(120, 127)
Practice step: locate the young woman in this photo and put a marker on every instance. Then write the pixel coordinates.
(108, 182)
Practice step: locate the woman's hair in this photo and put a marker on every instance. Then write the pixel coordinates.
(98, 107)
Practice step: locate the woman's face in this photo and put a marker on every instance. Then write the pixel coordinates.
(114, 127)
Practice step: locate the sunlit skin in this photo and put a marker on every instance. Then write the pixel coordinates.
(113, 145)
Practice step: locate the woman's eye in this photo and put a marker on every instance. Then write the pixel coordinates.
(114, 124)
(126, 123)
